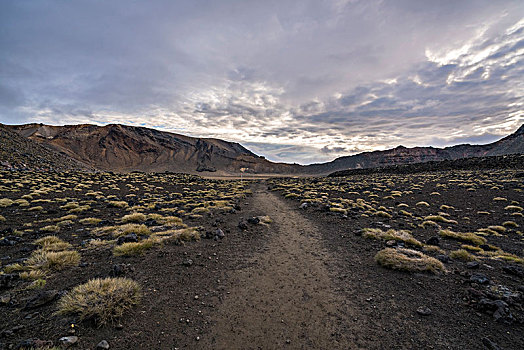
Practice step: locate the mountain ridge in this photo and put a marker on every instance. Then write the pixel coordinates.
(122, 148)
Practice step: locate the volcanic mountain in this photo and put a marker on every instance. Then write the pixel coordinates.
(123, 148)
(127, 148)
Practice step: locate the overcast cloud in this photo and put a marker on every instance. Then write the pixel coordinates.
(296, 81)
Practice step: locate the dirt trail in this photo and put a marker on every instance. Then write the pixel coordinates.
(285, 297)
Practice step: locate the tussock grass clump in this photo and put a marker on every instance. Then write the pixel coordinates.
(408, 260)
(70, 205)
(66, 218)
(338, 210)
(463, 236)
(510, 224)
(429, 223)
(402, 236)
(134, 217)
(462, 254)
(90, 221)
(422, 204)
(117, 204)
(101, 300)
(52, 261)
(6, 202)
(200, 210)
(446, 207)
(439, 218)
(50, 228)
(131, 228)
(497, 228)
(382, 214)
(2, 219)
(52, 243)
(37, 208)
(133, 248)
(513, 208)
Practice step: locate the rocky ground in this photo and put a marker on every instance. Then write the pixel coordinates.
(295, 267)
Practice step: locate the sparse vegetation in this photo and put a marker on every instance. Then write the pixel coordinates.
(408, 260)
(102, 300)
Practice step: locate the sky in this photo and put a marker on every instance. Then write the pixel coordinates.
(296, 81)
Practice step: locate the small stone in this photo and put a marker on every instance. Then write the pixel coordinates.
(490, 344)
(479, 278)
(253, 220)
(443, 258)
(391, 243)
(513, 270)
(7, 279)
(129, 238)
(5, 299)
(424, 311)
(187, 262)
(473, 265)
(288, 341)
(41, 299)
(219, 233)
(433, 241)
(68, 341)
(242, 225)
(196, 297)
(103, 345)
(118, 270)
(119, 326)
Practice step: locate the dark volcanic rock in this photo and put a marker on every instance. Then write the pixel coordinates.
(129, 238)
(41, 299)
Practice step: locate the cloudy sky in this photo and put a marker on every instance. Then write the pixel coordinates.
(297, 81)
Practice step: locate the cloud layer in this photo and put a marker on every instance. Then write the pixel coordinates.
(296, 81)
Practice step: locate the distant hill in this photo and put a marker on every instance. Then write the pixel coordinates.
(512, 144)
(18, 152)
(123, 148)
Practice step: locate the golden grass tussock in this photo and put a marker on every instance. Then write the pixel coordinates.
(52, 243)
(90, 221)
(401, 235)
(408, 260)
(117, 204)
(463, 236)
(134, 217)
(101, 300)
(513, 208)
(497, 228)
(462, 254)
(382, 214)
(133, 248)
(50, 229)
(200, 210)
(138, 229)
(439, 218)
(2, 218)
(52, 261)
(422, 204)
(6, 202)
(512, 224)
(37, 208)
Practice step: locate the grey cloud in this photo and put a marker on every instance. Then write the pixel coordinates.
(303, 80)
